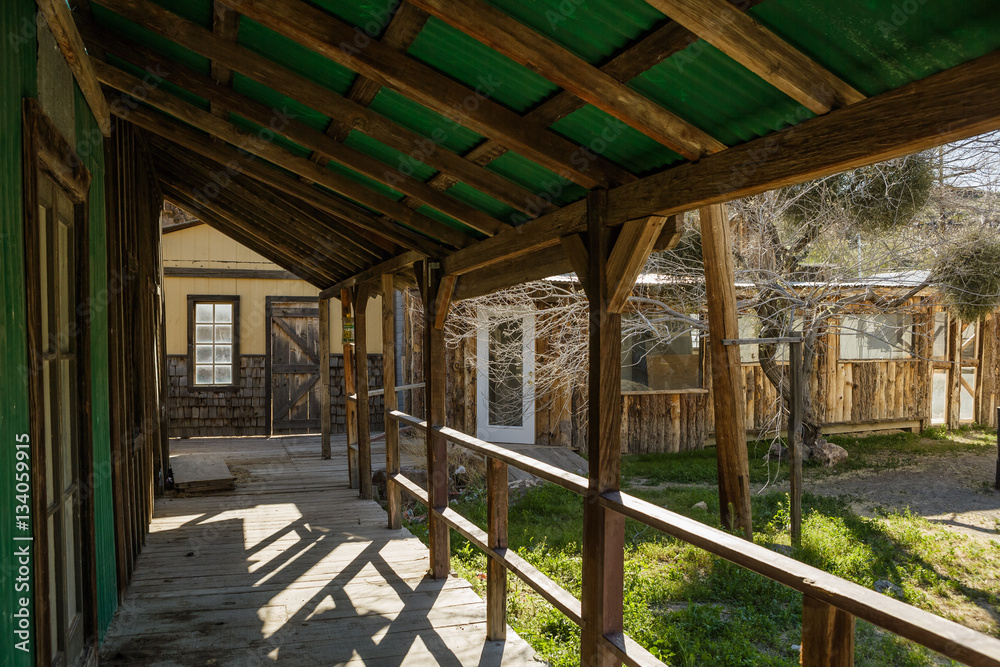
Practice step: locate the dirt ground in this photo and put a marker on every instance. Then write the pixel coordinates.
(954, 491)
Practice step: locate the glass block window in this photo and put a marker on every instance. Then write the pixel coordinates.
(214, 342)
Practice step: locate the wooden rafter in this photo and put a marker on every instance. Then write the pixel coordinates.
(560, 66)
(223, 129)
(634, 243)
(390, 266)
(232, 160)
(473, 109)
(226, 25)
(321, 236)
(948, 106)
(60, 22)
(270, 230)
(201, 41)
(659, 45)
(758, 49)
(294, 130)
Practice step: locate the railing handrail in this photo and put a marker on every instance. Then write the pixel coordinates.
(381, 390)
(947, 637)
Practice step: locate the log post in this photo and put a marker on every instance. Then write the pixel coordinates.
(827, 635)
(434, 401)
(325, 418)
(795, 438)
(393, 497)
(727, 379)
(361, 294)
(350, 407)
(603, 530)
(955, 376)
(496, 573)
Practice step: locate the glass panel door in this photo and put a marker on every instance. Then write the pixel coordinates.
(505, 365)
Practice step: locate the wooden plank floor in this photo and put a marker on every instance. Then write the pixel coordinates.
(292, 568)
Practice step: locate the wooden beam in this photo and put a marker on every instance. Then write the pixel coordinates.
(443, 302)
(263, 148)
(361, 294)
(281, 123)
(496, 534)
(540, 264)
(728, 393)
(437, 446)
(320, 240)
(232, 274)
(575, 247)
(389, 266)
(60, 22)
(603, 531)
(559, 65)
(948, 106)
(393, 499)
(746, 41)
(325, 415)
(225, 25)
(632, 248)
(201, 41)
(473, 108)
(236, 161)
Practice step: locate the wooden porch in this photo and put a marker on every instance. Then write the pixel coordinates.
(293, 569)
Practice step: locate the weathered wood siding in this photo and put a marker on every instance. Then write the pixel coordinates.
(206, 413)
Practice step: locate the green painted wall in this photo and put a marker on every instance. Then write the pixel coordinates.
(90, 147)
(17, 80)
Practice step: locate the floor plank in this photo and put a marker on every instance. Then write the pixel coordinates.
(291, 568)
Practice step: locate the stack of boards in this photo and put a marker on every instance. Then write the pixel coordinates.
(201, 473)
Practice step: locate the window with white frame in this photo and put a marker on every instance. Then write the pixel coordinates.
(876, 336)
(214, 341)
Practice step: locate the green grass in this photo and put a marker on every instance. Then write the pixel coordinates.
(691, 608)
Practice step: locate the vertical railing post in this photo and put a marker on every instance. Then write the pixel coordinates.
(392, 492)
(496, 573)
(361, 294)
(996, 483)
(795, 437)
(437, 447)
(827, 635)
(325, 418)
(350, 407)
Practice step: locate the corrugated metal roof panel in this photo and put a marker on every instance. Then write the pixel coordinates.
(418, 118)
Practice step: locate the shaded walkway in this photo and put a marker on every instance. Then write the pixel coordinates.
(292, 569)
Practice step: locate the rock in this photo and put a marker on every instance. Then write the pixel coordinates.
(782, 549)
(777, 452)
(828, 453)
(889, 588)
(700, 506)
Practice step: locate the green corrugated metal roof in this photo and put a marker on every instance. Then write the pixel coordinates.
(874, 45)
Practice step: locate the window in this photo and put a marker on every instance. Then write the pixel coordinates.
(668, 363)
(876, 336)
(213, 341)
(940, 335)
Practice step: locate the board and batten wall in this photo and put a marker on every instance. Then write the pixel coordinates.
(207, 260)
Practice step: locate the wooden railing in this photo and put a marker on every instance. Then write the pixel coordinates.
(829, 604)
(353, 465)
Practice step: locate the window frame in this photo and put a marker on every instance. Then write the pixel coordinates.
(909, 330)
(193, 300)
(696, 344)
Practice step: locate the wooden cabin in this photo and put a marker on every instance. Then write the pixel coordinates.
(456, 147)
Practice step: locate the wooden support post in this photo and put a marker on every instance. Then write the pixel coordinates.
(827, 635)
(361, 294)
(727, 379)
(996, 483)
(325, 418)
(955, 376)
(437, 446)
(350, 407)
(393, 496)
(603, 530)
(496, 573)
(795, 438)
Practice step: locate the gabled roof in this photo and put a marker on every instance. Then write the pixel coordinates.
(335, 135)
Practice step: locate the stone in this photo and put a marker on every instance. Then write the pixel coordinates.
(777, 452)
(700, 506)
(828, 453)
(782, 549)
(888, 588)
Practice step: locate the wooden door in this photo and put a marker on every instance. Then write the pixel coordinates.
(293, 365)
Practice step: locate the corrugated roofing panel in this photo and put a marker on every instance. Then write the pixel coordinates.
(418, 118)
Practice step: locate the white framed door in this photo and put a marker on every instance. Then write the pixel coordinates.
(505, 365)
